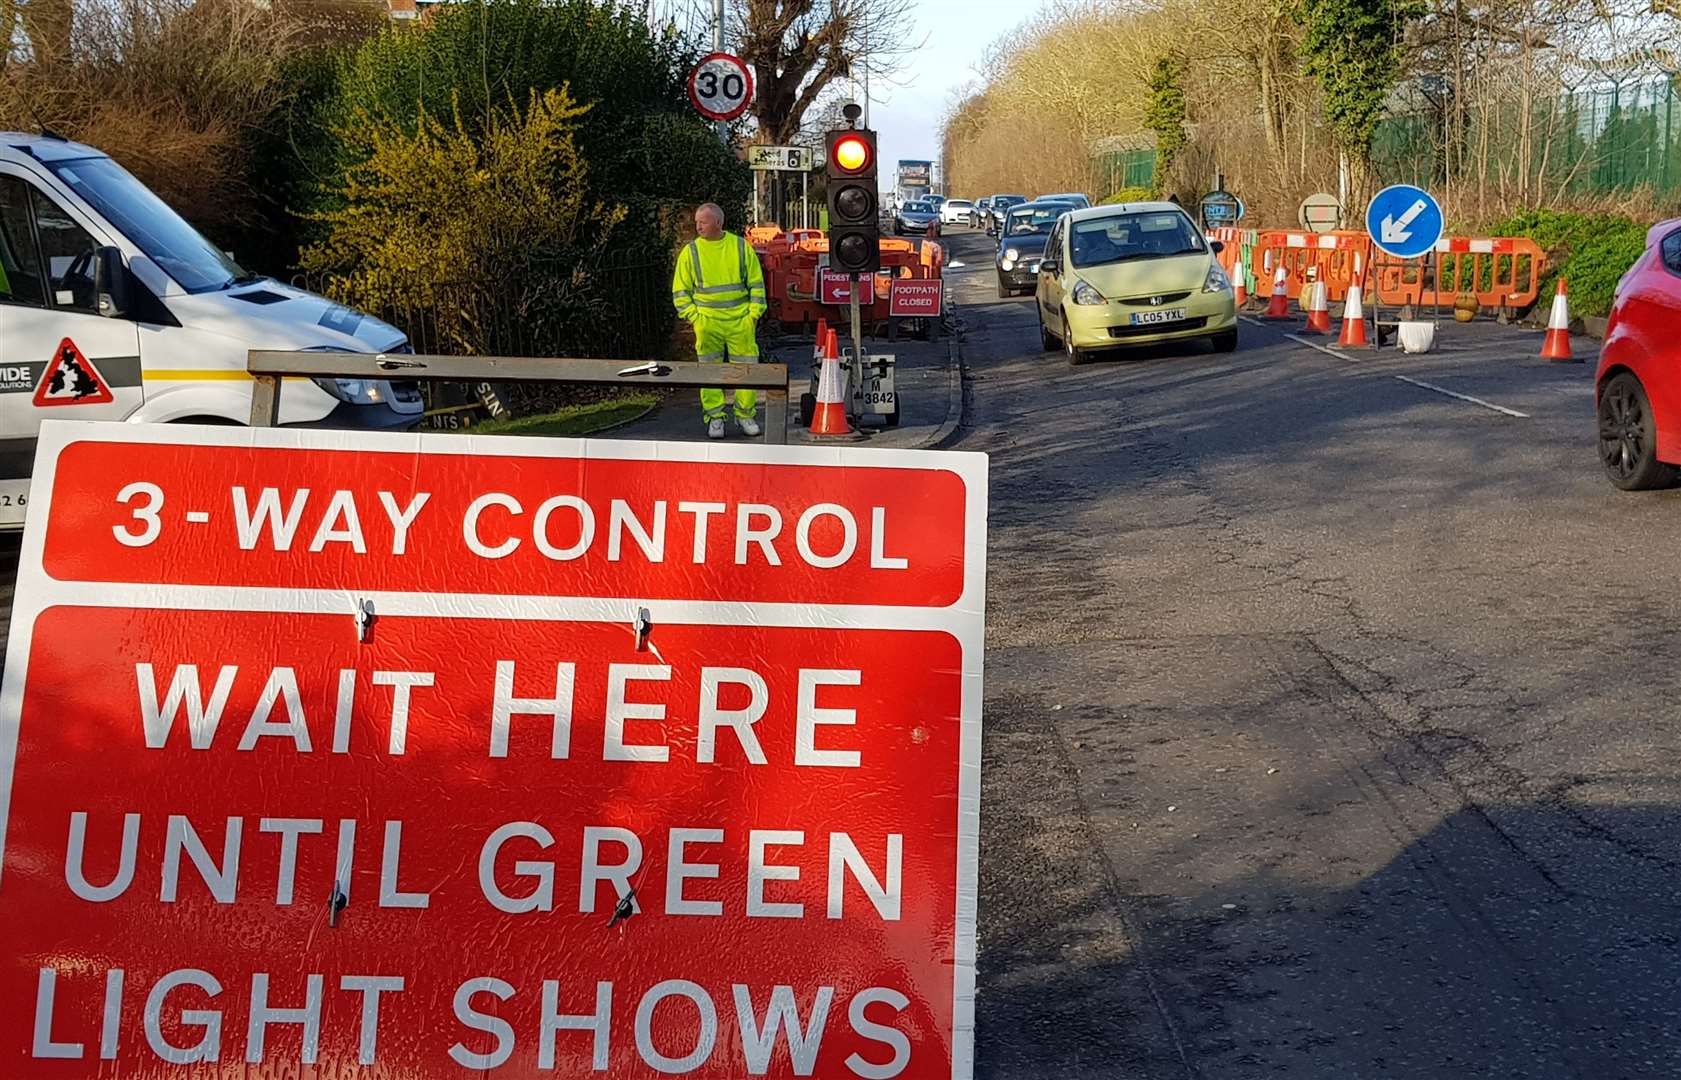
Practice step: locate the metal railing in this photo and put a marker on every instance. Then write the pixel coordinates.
(270, 369)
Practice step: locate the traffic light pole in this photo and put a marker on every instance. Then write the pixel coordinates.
(857, 332)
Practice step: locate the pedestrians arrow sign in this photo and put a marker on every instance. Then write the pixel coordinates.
(1404, 221)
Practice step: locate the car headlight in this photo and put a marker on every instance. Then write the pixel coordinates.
(354, 391)
(1012, 254)
(1217, 281)
(1085, 294)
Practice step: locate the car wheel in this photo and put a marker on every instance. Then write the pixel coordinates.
(1046, 338)
(1072, 352)
(1628, 437)
(1225, 341)
(1004, 289)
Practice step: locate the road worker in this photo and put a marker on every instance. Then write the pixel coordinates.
(720, 288)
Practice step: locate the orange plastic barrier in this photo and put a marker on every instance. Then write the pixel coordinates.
(1502, 272)
(791, 262)
(1329, 257)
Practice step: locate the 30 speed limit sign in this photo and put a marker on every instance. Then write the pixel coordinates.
(721, 87)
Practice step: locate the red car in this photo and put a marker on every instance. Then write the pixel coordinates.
(1638, 385)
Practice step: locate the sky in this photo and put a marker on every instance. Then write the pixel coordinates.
(957, 34)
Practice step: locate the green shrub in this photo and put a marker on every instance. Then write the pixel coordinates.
(507, 208)
(645, 146)
(1592, 251)
(1130, 194)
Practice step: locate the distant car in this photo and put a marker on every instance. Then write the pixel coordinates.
(1021, 244)
(956, 211)
(937, 200)
(1001, 203)
(1638, 384)
(982, 211)
(1074, 197)
(1132, 275)
(914, 217)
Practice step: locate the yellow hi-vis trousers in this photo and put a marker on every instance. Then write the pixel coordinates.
(720, 340)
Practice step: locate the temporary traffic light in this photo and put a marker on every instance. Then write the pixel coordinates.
(854, 213)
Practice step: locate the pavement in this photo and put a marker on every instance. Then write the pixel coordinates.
(927, 377)
(1329, 714)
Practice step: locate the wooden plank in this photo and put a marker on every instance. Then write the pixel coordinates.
(265, 401)
(776, 416)
(513, 369)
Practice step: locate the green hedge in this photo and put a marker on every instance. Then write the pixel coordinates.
(1129, 194)
(1592, 251)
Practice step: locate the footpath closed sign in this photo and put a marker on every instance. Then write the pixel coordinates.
(446, 755)
(915, 298)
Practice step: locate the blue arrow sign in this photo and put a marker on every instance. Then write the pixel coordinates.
(1404, 220)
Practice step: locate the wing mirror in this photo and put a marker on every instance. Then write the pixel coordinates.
(1050, 266)
(1216, 246)
(112, 296)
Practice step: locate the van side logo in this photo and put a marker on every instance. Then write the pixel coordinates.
(71, 379)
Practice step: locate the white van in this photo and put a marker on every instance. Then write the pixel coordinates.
(113, 308)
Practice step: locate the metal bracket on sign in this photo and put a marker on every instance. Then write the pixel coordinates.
(364, 615)
(336, 904)
(640, 626)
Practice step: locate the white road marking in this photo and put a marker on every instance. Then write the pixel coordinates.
(1327, 350)
(956, 265)
(1251, 320)
(1464, 397)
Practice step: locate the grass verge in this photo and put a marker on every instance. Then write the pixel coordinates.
(575, 420)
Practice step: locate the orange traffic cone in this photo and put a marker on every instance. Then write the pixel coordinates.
(1240, 288)
(1318, 310)
(1278, 307)
(1557, 344)
(1353, 321)
(829, 418)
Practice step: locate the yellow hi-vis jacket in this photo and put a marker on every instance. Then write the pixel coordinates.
(718, 280)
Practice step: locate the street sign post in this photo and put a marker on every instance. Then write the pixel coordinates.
(417, 754)
(721, 86)
(779, 158)
(1319, 213)
(1404, 221)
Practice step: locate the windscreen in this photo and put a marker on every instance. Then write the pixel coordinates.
(1036, 221)
(919, 208)
(1119, 237)
(149, 223)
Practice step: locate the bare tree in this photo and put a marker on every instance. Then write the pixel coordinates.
(799, 49)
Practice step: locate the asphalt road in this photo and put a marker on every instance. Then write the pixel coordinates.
(1330, 719)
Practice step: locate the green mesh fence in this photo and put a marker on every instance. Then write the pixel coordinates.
(1583, 142)
(1122, 169)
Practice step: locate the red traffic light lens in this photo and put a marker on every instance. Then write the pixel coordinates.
(852, 153)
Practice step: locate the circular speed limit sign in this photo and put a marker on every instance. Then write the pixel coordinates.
(721, 87)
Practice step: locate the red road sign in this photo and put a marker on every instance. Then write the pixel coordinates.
(915, 298)
(492, 827)
(834, 287)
